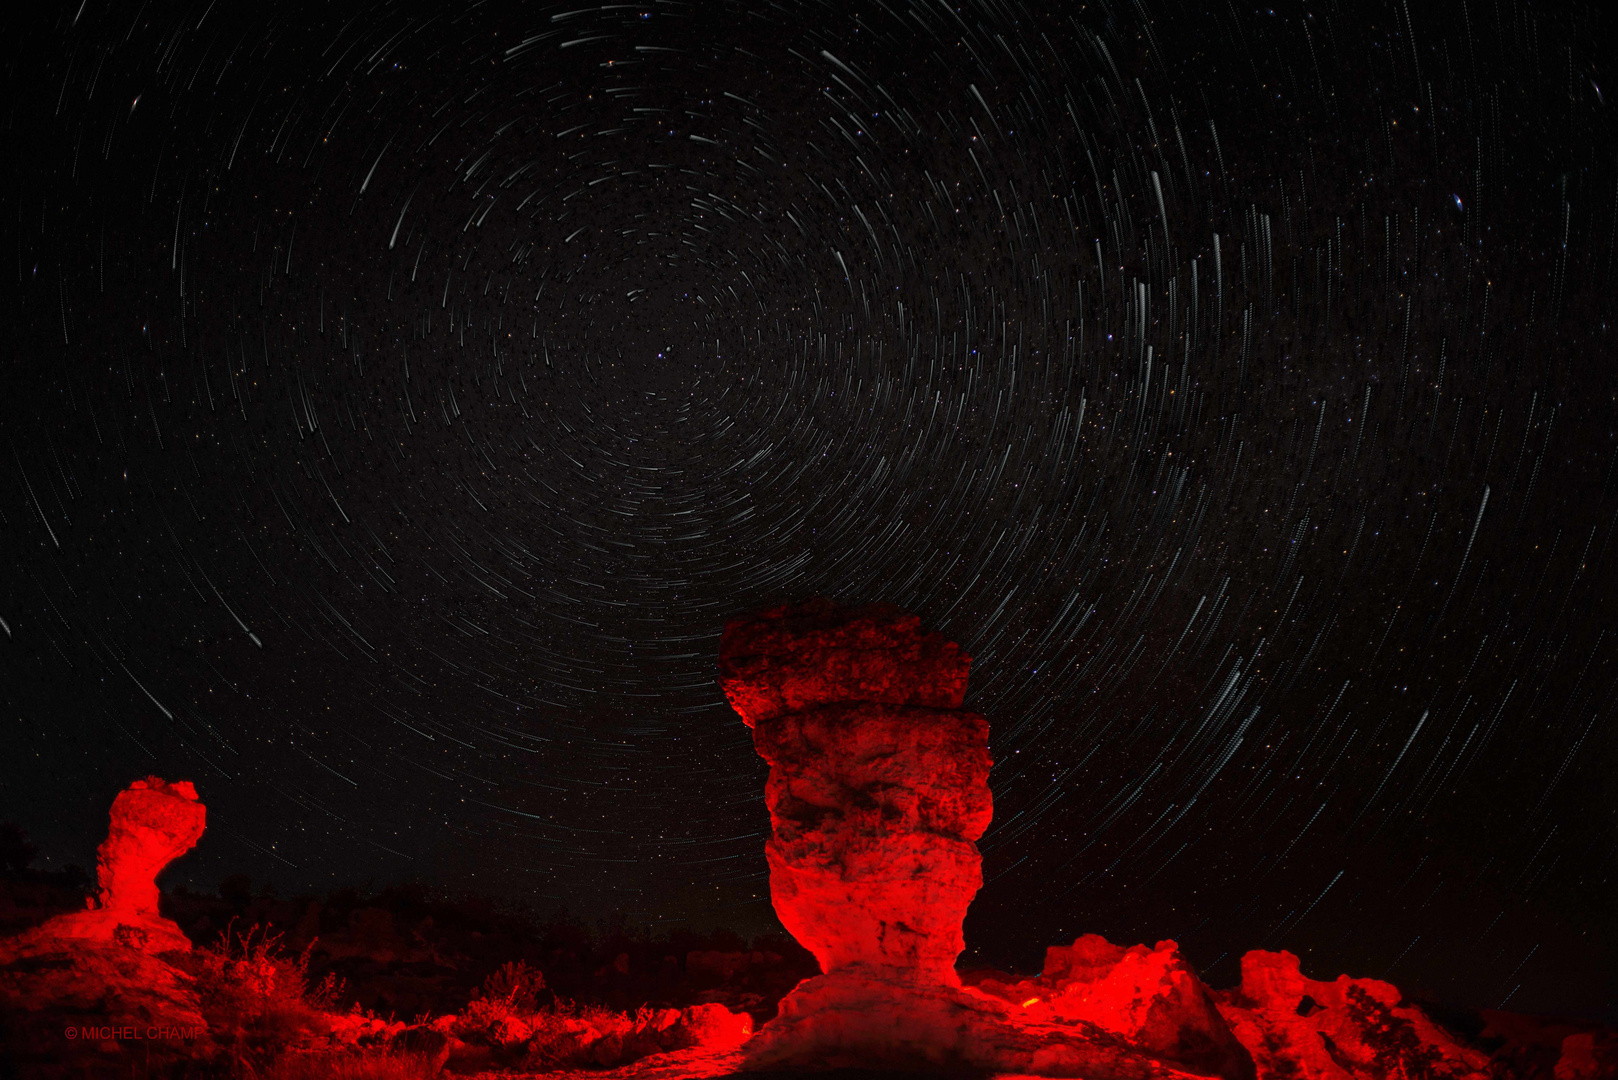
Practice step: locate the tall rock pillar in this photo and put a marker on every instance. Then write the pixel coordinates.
(878, 787)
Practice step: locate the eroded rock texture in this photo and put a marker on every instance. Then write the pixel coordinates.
(152, 824)
(801, 657)
(1148, 997)
(1347, 1029)
(102, 967)
(878, 783)
(878, 792)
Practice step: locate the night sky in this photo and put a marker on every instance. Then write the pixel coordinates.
(397, 400)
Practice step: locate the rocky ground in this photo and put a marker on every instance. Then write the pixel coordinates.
(260, 1002)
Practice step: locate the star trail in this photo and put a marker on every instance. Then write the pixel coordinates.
(399, 398)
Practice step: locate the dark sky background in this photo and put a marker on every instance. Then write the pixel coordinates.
(397, 399)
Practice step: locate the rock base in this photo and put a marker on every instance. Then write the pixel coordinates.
(880, 1019)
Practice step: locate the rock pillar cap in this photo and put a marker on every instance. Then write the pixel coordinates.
(802, 656)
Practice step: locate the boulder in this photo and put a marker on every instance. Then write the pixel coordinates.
(710, 1025)
(1346, 1029)
(85, 1007)
(1147, 997)
(856, 1019)
(1588, 1055)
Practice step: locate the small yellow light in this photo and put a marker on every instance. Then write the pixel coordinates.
(1029, 1002)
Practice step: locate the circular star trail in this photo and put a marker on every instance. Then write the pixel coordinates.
(399, 399)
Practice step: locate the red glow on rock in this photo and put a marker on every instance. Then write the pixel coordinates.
(1149, 997)
(878, 783)
(151, 824)
(1339, 1030)
(878, 792)
(790, 659)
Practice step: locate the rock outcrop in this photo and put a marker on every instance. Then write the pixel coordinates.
(878, 792)
(1149, 998)
(152, 824)
(79, 1007)
(90, 986)
(1347, 1029)
(878, 783)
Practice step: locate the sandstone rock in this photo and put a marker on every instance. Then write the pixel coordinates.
(152, 824)
(711, 1025)
(83, 1007)
(1588, 1055)
(793, 658)
(854, 1018)
(508, 1031)
(878, 792)
(878, 784)
(1149, 998)
(876, 809)
(1348, 1029)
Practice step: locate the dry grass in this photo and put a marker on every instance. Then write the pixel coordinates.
(270, 1024)
(258, 1003)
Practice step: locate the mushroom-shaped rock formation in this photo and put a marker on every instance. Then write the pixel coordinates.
(878, 783)
(153, 823)
(104, 967)
(878, 792)
(1347, 1029)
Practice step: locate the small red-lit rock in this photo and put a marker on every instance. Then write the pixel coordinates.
(1148, 997)
(1346, 1029)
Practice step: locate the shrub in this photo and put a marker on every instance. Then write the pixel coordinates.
(256, 999)
(515, 985)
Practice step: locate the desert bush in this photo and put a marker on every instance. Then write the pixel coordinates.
(514, 984)
(257, 1001)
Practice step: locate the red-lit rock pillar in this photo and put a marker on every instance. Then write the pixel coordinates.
(152, 824)
(878, 792)
(878, 783)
